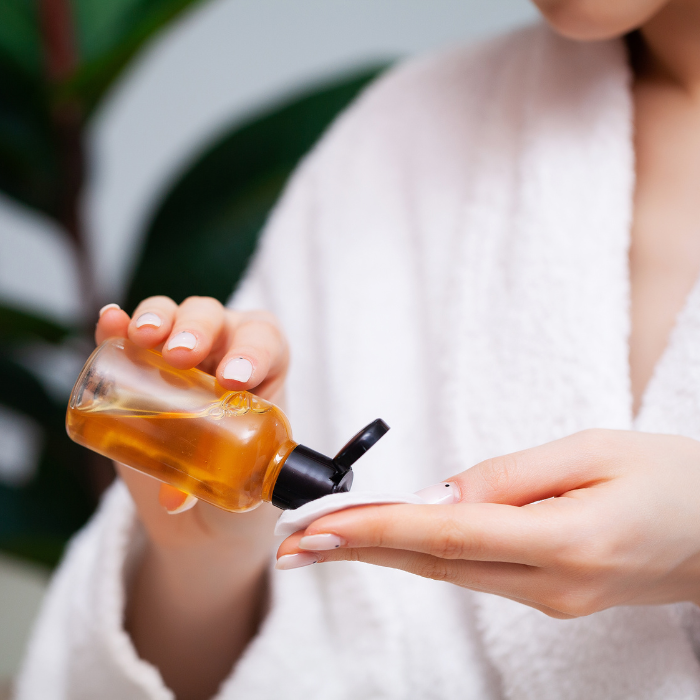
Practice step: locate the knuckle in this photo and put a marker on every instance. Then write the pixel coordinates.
(266, 338)
(266, 317)
(262, 358)
(256, 316)
(435, 569)
(500, 474)
(595, 441)
(351, 555)
(450, 542)
(590, 553)
(200, 301)
(159, 298)
(160, 303)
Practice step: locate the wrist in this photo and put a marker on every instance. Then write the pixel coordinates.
(190, 625)
(196, 581)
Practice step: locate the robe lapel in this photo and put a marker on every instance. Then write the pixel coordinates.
(671, 402)
(539, 348)
(540, 305)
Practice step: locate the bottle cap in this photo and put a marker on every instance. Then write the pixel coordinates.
(307, 475)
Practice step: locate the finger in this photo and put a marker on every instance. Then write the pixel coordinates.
(486, 577)
(152, 321)
(197, 327)
(162, 528)
(470, 531)
(257, 355)
(174, 500)
(556, 595)
(113, 322)
(580, 461)
(518, 582)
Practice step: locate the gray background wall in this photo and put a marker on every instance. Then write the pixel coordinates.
(223, 61)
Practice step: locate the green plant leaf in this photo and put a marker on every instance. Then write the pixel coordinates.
(23, 392)
(33, 111)
(19, 35)
(21, 325)
(37, 519)
(110, 34)
(28, 159)
(205, 230)
(41, 548)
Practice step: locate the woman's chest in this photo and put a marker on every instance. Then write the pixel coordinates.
(665, 242)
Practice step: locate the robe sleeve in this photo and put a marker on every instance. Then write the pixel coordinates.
(79, 647)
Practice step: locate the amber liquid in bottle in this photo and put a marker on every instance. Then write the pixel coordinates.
(180, 426)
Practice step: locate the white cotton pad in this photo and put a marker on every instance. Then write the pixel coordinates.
(292, 520)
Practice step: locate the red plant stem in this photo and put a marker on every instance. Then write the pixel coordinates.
(60, 46)
(61, 61)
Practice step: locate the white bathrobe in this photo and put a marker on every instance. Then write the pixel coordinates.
(452, 258)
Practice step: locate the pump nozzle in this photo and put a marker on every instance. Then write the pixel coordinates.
(307, 475)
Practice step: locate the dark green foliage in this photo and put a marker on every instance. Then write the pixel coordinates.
(110, 33)
(28, 167)
(37, 519)
(16, 325)
(202, 236)
(19, 35)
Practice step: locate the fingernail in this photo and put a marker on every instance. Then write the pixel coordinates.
(189, 502)
(295, 561)
(321, 543)
(239, 369)
(440, 494)
(185, 340)
(107, 307)
(148, 319)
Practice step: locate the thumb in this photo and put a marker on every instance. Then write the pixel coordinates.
(578, 461)
(174, 500)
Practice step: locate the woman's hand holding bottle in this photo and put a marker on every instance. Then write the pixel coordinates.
(197, 596)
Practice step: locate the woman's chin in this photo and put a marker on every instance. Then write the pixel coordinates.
(597, 20)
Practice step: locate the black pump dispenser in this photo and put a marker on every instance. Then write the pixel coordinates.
(307, 475)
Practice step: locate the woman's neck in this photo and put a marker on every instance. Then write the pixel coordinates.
(671, 50)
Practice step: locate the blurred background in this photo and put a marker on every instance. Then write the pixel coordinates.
(142, 144)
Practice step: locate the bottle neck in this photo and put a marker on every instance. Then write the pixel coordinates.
(307, 475)
(274, 468)
(299, 475)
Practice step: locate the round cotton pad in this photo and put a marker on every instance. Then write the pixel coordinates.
(293, 520)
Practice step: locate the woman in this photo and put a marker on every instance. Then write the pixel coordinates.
(489, 250)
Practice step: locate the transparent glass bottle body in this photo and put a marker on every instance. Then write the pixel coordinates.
(179, 426)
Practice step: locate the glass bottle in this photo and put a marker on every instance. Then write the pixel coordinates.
(229, 448)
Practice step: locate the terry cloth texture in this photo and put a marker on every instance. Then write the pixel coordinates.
(452, 257)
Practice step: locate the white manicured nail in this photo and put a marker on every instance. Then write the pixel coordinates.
(239, 369)
(321, 543)
(440, 494)
(189, 502)
(148, 319)
(107, 307)
(185, 340)
(295, 561)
